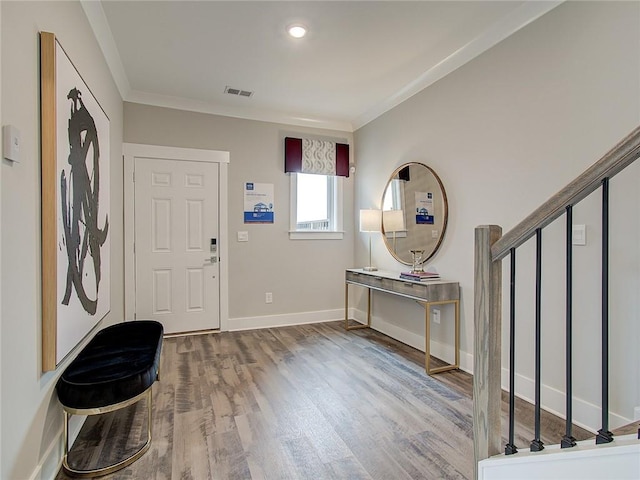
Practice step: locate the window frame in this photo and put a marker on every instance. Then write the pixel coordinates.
(396, 197)
(335, 205)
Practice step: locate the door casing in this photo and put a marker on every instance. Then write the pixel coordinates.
(135, 150)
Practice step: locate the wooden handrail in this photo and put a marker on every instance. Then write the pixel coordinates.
(490, 249)
(615, 160)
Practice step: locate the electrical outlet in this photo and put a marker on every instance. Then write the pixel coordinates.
(435, 314)
(268, 297)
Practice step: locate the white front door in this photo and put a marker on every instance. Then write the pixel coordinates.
(176, 243)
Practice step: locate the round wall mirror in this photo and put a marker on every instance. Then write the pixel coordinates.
(414, 212)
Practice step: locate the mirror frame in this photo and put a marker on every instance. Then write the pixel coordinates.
(445, 202)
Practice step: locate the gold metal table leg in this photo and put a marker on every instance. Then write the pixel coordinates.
(346, 311)
(456, 364)
(346, 306)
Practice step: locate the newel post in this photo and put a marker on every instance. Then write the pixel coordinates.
(487, 347)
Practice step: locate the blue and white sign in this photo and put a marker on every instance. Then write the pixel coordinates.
(424, 208)
(258, 202)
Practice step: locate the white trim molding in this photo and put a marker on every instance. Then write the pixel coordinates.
(336, 205)
(102, 31)
(285, 319)
(505, 27)
(438, 349)
(585, 414)
(618, 459)
(518, 19)
(132, 151)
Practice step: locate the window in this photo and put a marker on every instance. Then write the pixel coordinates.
(316, 207)
(393, 200)
(393, 197)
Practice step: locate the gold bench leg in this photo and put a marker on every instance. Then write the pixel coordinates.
(147, 394)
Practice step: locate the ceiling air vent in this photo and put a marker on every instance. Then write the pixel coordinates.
(237, 91)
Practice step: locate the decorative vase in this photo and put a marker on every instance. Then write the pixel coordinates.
(417, 261)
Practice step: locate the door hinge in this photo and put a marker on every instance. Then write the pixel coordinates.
(133, 175)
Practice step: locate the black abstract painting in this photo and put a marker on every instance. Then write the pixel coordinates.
(75, 150)
(80, 196)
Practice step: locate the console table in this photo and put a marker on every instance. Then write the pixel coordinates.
(427, 293)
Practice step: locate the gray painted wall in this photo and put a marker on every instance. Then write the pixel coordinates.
(535, 110)
(1, 141)
(505, 132)
(31, 417)
(303, 275)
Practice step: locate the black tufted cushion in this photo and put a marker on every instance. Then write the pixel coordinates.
(119, 363)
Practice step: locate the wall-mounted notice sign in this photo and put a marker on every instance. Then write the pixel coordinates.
(424, 208)
(258, 202)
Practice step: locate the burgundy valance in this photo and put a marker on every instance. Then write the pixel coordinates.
(321, 157)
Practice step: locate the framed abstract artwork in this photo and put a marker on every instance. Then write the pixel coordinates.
(75, 205)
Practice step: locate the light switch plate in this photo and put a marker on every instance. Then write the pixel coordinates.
(579, 235)
(11, 143)
(243, 236)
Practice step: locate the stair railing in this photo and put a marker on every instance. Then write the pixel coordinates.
(491, 247)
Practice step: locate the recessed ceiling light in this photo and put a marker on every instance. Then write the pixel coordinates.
(297, 30)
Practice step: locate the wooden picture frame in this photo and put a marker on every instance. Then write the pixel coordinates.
(75, 165)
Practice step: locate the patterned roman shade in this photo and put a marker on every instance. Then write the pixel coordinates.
(322, 157)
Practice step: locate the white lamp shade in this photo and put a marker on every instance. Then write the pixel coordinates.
(370, 220)
(393, 220)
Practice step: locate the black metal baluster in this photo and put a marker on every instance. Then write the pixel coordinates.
(568, 440)
(536, 443)
(604, 435)
(510, 448)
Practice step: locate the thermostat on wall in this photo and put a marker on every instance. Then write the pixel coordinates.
(11, 143)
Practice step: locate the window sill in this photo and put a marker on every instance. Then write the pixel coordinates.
(315, 235)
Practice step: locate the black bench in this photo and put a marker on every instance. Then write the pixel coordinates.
(114, 370)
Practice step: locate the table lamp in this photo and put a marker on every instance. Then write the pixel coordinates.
(370, 221)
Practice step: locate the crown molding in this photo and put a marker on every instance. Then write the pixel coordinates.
(507, 26)
(516, 20)
(259, 114)
(98, 21)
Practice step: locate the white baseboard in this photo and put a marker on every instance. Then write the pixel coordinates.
(51, 460)
(284, 320)
(412, 339)
(585, 414)
(438, 349)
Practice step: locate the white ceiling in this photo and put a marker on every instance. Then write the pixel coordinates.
(358, 60)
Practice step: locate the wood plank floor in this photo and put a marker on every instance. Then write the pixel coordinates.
(305, 402)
